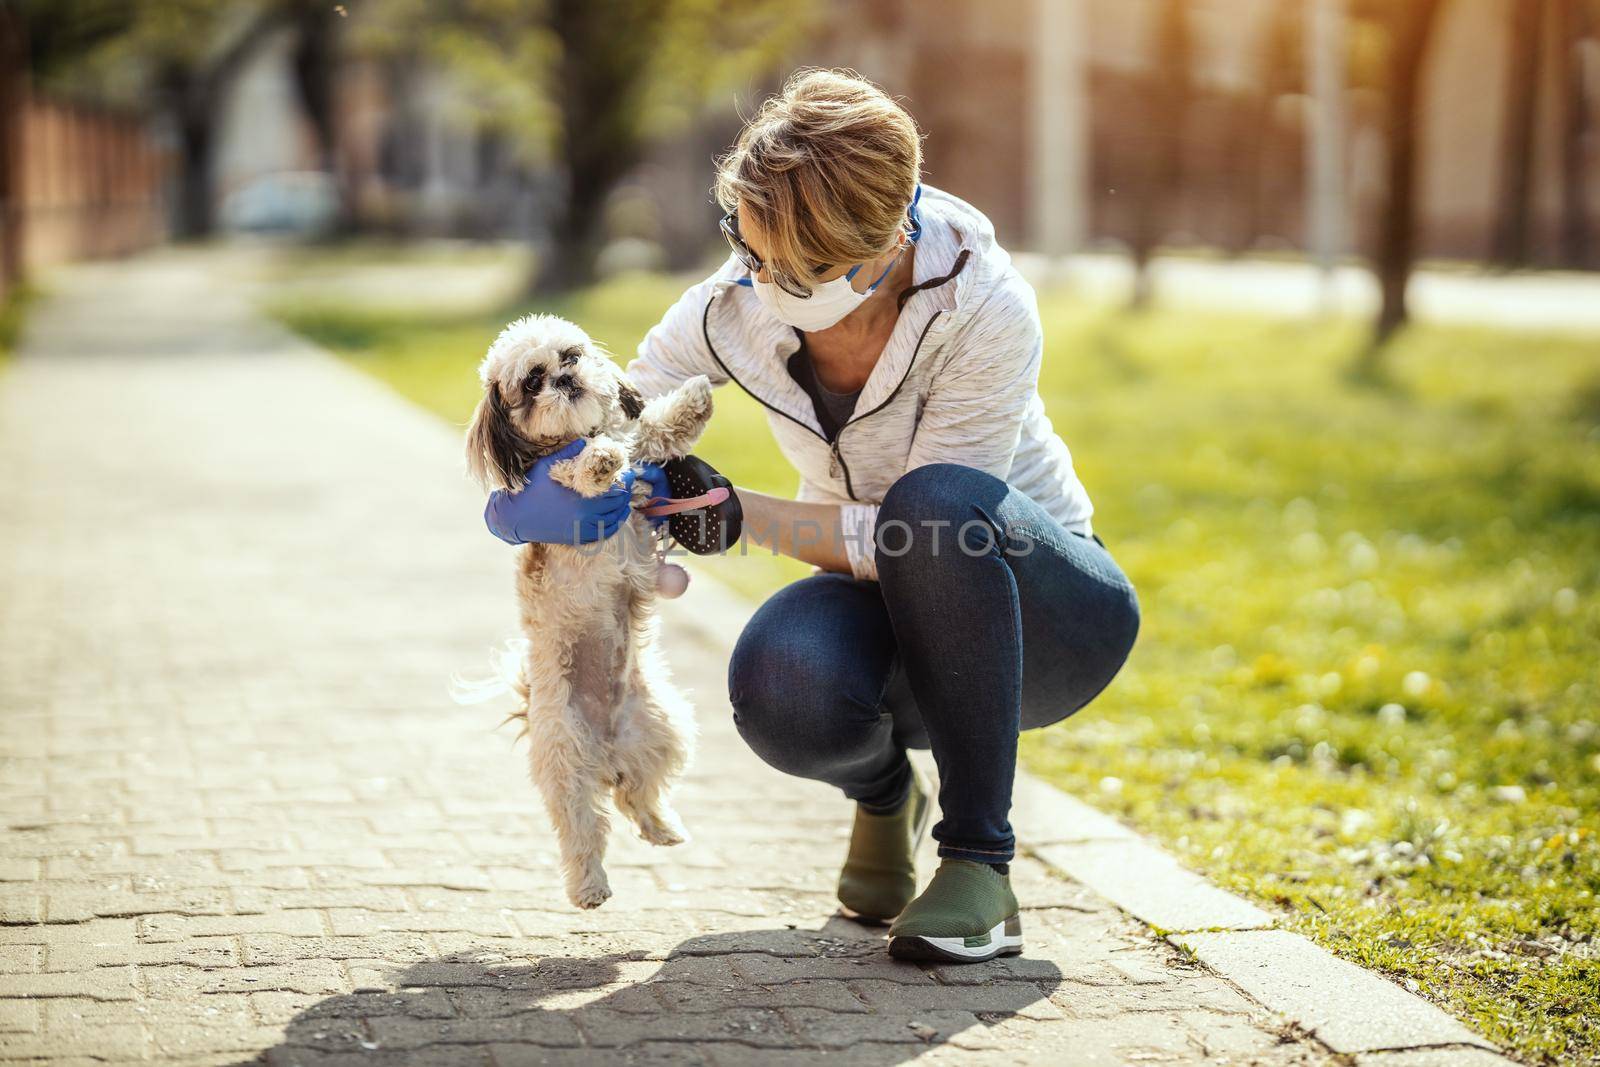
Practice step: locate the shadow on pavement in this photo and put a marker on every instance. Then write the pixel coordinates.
(748, 994)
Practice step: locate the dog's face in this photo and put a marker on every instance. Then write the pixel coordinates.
(545, 383)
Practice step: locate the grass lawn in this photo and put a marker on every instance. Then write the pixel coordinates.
(1365, 691)
(13, 306)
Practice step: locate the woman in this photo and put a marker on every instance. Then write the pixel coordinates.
(961, 593)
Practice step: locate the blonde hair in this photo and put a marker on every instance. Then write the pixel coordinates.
(826, 169)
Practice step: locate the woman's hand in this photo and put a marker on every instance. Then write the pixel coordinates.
(546, 512)
(655, 477)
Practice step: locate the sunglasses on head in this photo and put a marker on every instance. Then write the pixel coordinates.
(753, 263)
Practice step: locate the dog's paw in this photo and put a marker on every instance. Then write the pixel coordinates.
(694, 399)
(599, 464)
(589, 894)
(663, 829)
(592, 471)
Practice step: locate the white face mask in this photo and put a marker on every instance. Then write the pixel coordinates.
(828, 303)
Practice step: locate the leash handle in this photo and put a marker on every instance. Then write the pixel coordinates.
(657, 506)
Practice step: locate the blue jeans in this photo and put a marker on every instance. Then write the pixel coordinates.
(988, 617)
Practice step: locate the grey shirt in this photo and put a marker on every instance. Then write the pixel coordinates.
(833, 409)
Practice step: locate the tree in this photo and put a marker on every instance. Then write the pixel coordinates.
(195, 57)
(1409, 25)
(1510, 243)
(584, 86)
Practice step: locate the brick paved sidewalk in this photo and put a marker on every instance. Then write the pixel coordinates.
(244, 821)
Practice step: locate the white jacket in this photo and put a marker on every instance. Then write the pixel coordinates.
(957, 381)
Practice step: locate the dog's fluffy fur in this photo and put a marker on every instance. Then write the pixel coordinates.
(601, 712)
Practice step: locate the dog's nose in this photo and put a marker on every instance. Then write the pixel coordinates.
(564, 381)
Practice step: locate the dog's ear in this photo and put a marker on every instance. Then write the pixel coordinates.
(632, 402)
(494, 450)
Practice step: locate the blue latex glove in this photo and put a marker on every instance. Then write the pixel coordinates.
(656, 478)
(544, 511)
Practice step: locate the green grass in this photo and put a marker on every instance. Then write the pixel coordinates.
(1365, 691)
(13, 306)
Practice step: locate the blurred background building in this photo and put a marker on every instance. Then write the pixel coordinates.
(1387, 129)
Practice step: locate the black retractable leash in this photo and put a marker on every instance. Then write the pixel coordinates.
(703, 515)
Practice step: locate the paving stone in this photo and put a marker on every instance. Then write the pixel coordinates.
(105, 983)
(530, 1027)
(377, 1056)
(300, 1010)
(24, 906)
(79, 905)
(756, 1027)
(303, 976)
(832, 1030)
(1024, 998)
(644, 1054)
(121, 1043)
(825, 995)
(20, 959)
(773, 970)
(19, 1016)
(215, 952)
(1043, 972)
(1347, 1008)
(301, 923)
(18, 869)
(262, 949)
(252, 899)
(355, 922)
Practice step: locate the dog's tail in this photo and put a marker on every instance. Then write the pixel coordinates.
(506, 664)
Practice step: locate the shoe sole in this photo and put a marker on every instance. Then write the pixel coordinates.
(1004, 940)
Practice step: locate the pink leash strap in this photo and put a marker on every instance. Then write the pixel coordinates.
(658, 506)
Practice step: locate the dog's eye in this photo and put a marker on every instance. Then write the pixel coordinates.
(534, 381)
(570, 356)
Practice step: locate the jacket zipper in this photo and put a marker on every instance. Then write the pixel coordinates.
(852, 420)
(836, 462)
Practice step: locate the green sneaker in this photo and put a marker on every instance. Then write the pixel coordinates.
(880, 874)
(967, 914)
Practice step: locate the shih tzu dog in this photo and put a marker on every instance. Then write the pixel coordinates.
(600, 712)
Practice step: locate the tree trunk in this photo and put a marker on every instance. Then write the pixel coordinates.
(1510, 245)
(1327, 53)
(195, 95)
(1574, 27)
(13, 97)
(578, 235)
(1161, 166)
(315, 64)
(600, 84)
(196, 209)
(1411, 24)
